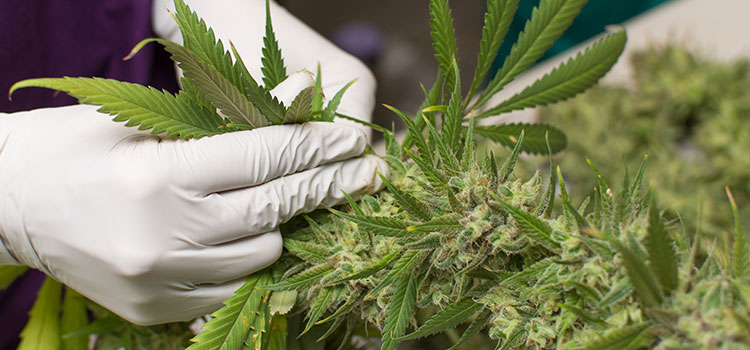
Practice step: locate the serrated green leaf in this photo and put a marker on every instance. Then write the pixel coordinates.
(317, 102)
(474, 328)
(617, 293)
(229, 328)
(431, 99)
(330, 111)
(582, 314)
(403, 267)
(372, 269)
(282, 302)
(318, 307)
(415, 135)
(272, 63)
(740, 260)
(548, 199)
(445, 319)
(147, 108)
(9, 273)
(445, 223)
(412, 205)
(497, 20)
(661, 253)
(618, 338)
(535, 136)
(400, 310)
(351, 301)
(382, 225)
(302, 279)
(530, 225)
(260, 324)
(436, 179)
(214, 87)
(42, 331)
(199, 39)
(528, 272)
(308, 251)
(469, 156)
(353, 204)
(515, 338)
(510, 163)
(443, 39)
(584, 291)
(449, 160)
(453, 116)
(569, 78)
(74, 317)
(641, 277)
(548, 22)
(300, 110)
(278, 333)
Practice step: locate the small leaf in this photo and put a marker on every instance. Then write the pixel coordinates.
(618, 338)
(282, 301)
(9, 273)
(302, 279)
(318, 308)
(530, 225)
(372, 269)
(232, 324)
(311, 252)
(474, 328)
(272, 62)
(74, 317)
(431, 99)
(453, 117)
(446, 318)
(403, 267)
(548, 199)
(528, 272)
(377, 224)
(400, 310)
(300, 110)
(330, 111)
(449, 160)
(535, 136)
(445, 223)
(443, 39)
(42, 331)
(412, 205)
(740, 264)
(641, 277)
(661, 253)
(317, 102)
(510, 163)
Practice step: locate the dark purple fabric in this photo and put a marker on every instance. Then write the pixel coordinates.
(54, 38)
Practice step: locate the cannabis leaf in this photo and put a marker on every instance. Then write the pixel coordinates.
(42, 332)
(9, 273)
(535, 136)
(445, 319)
(272, 66)
(548, 22)
(231, 324)
(661, 253)
(141, 106)
(444, 39)
(74, 317)
(569, 78)
(400, 310)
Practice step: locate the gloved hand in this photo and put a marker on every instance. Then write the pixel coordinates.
(156, 229)
(243, 22)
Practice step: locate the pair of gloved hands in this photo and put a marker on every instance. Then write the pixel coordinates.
(162, 230)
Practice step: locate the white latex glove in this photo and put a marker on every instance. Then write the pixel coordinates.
(156, 229)
(243, 22)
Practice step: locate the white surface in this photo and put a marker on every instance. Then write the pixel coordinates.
(717, 28)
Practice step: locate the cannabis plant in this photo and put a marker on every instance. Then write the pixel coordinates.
(455, 235)
(688, 112)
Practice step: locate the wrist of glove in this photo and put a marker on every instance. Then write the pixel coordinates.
(161, 230)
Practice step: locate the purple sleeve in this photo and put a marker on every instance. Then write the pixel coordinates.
(54, 38)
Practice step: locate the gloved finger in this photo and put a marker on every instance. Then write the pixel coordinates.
(249, 158)
(262, 208)
(215, 264)
(186, 305)
(288, 89)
